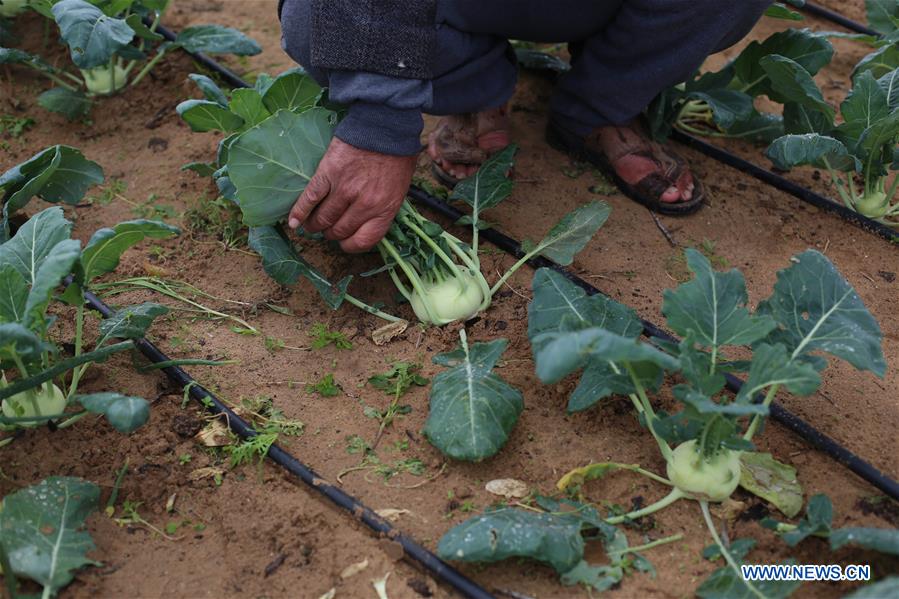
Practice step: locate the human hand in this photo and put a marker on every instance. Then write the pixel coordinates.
(353, 195)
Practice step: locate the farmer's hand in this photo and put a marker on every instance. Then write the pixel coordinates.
(353, 196)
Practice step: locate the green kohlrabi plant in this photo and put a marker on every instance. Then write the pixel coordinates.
(107, 41)
(812, 311)
(860, 153)
(12, 8)
(721, 103)
(278, 132)
(34, 262)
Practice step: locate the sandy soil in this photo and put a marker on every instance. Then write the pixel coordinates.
(263, 535)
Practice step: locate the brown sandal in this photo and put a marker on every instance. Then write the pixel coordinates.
(650, 188)
(458, 142)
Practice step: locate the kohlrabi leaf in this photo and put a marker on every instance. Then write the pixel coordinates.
(247, 104)
(560, 353)
(56, 174)
(600, 380)
(294, 91)
(216, 39)
(697, 369)
(728, 105)
(42, 530)
(72, 104)
(799, 119)
(93, 37)
(271, 163)
(16, 340)
(502, 533)
(60, 261)
(703, 404)
(16, 56)
(33, 242)
(490, 185)
(203, 169)
(817, 310)
(772, 365)
(780, 11)
(599, 577)
(140, 29)
(880, 62)
(713, 307)
(282, 263)
(472, 410)
(865, 105)
(203, 115)
(106, 246)
(727, 583)
(572, 233)
(889, 83)
(211, 90)
(760, 127)
(880, 136)
(13, 293)
(812, 149)
(800, 45)
(131, 322)
(817, 521)
(888, 587)
(126, 414)
(790, 82)
(882, 540)
(776, 483)
(883, 15)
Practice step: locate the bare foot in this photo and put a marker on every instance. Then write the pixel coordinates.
(460, 143)
(639, 160)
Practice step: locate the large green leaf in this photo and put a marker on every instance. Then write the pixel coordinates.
(106, 246)
(247, 104)
(472, 410)
(760, 127)
(13, 294)
(271, 163)
(799, 119)
(293, 90)
(889, 83)
(865, 105)
(126, 414)
(800, 45)
(882, 540)
(203, 115)
(93, 37)
(812, 149)
(727, 583)
(572, 232)
(765, 477)
(883, 15)
(728, 105)
(15, 339)
(131, 322)
(56, 174)
(32, 243)
(282, 263)
(499, 534)
(790, 82)
(877, 143)
(817, 310)
(888, 587)
(42, 530)
(59, 263)
(216, 39)
(561, 353)
(880, 62)
(772, 365)
(489, 185)
(712, 306)
(72, 104)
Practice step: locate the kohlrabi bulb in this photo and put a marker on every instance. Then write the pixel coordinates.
(35, 402)
(456, 298)
(712, 479)
(874, 205)
(10, 8)
(99, 80)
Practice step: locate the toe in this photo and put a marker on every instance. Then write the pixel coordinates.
(671, 195)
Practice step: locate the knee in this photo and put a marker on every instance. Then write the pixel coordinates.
(296, 29)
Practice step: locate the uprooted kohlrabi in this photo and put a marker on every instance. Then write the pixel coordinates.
(278, 132)
(707, 444)
(113, 45)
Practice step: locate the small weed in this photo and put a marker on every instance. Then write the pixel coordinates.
(108, 192)
(218, 218)
(184, 458)
(322, 337)
(14, 126)
(254, 448)
(153, 209)
(396, 382)
(269, 418)
(676, 264)
(326, 387)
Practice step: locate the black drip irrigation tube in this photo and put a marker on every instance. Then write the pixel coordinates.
(835, 17)
(436, 567)
(778, 413)
(785, 185)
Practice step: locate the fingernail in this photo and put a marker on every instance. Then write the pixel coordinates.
(293, 223)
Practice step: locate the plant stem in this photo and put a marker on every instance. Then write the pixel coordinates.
(371, 309)
(649, 414)
(412, 276)
(757, 419)
(72, 420)
(431, 244)
(56, 79)
(727, 556)
(656, 543)
(120, 476)
(79, 333)
(149, 66)
(664, 502)
(521, 262)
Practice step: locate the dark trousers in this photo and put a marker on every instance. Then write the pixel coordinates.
(625, 53)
